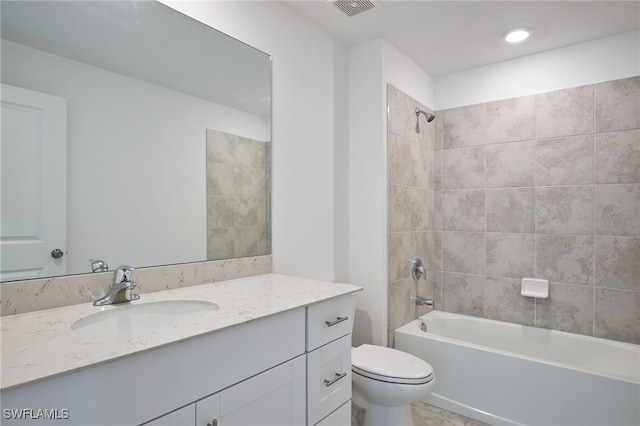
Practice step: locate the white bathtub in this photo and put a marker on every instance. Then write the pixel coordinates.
(506, 374)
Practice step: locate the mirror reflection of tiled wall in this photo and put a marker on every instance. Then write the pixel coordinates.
(238, 188)
(547, 186)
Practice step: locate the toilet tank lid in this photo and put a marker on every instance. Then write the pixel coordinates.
(389, 362)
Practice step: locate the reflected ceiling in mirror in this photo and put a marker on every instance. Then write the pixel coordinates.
(142, 88)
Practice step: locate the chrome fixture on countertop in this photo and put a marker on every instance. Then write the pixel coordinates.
(120, 290)
(98, 265)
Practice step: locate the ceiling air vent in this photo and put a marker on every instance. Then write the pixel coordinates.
(351, 8)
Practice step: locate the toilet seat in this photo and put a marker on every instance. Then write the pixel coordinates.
(390, 365)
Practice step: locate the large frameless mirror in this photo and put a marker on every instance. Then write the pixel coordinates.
(131, 134)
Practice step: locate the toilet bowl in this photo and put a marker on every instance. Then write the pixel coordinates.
(385, 383)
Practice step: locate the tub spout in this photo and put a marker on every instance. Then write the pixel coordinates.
(425, 302)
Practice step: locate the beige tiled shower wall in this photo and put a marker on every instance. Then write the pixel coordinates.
(238, 213)
(411, 194)
(544, 186)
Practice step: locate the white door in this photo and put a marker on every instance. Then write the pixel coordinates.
(33, 202)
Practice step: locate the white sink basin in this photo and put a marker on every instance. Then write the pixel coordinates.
(145, 317)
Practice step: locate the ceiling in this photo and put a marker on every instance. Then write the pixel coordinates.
(444, 37)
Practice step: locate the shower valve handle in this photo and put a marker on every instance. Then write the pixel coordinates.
(417, 269)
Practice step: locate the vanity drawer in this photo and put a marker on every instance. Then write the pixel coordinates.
(340, 417)
(328, 321)
(328, 378)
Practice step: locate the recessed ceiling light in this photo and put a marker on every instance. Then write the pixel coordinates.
(516, 36)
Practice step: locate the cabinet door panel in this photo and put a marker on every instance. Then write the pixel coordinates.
(185, 416)
(208, 410)
(273, 398)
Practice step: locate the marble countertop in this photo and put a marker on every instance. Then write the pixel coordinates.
(41, 344)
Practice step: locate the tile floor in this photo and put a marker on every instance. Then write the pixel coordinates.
(424, 415)
(428, 415)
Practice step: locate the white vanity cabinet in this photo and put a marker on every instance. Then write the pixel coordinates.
(312, 389)
(329, 326)
(288, 365)
(138, 388)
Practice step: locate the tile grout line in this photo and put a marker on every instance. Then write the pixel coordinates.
(441, 214)
(441, 227)
(484, 190)
(535, 207)
(594, 264)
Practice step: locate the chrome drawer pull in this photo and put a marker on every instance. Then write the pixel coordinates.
(338, 320)
(339, 376)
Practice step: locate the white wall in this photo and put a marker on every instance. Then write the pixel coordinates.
(341, 167)
(367, 183)
(136, 159)
(604, 59)
(407, 76)
(373, 65)
(305, 104)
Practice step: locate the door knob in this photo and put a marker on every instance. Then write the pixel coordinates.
(57, 253)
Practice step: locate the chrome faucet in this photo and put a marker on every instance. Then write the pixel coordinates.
(418, 271)
(98, 265)
(120, 290)
(421, 301)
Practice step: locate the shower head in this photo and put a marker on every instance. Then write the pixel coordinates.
(426, 114)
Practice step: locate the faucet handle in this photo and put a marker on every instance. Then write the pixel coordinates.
(123, 273)
(123, 276)
(130, 286)
(417, 269)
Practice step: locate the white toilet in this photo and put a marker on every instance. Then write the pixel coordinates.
(386, 381)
